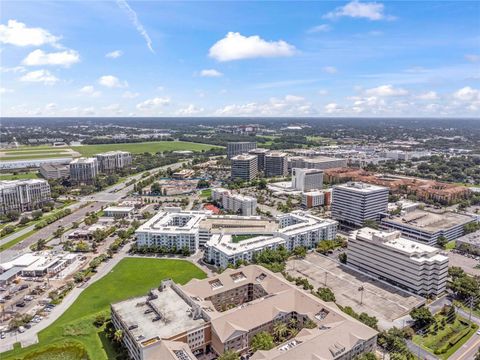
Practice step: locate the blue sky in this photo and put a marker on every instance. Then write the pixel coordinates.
(132, 58)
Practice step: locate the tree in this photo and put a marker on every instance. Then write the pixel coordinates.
(325, 294)
(370, 223)
(99, 320)
(118, 335)
(342, 257)
(40, 244)
(229, 355)
(367, 356)
(422, 316)
(262, 341)
(300, 251)
(280, 331)
(442, 241)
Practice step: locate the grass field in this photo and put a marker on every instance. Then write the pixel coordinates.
(15, 241)
(126, 280)
(35, 157)
(27, 175)
(138, 148)
(206, 193)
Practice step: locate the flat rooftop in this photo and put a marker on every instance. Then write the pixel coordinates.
(170, 310)
(360, 187)
(429, 221)
(243, 157)
(224, 243)
(181, 221)
(472, 238)
(238, 224)
(119, 208)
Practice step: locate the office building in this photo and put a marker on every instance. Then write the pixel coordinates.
(353, 203)
(276, 164)
(225, 312)
(416, 267)
(54, 171)
(239, 148)
(244, 167)
(307, 179)
(260, 154)
(84, 170)
(318, 162)
(113, 160)
(316, 198)
(427, 226)
(23, 195)
(236, 203)
(119, 212)
(469, 243)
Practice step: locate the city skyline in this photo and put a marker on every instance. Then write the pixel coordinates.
(357, 58)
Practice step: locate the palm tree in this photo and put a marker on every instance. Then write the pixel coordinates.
(280, 330)
(118, 335)
(293, 323)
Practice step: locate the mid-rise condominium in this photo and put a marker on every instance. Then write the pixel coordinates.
(239, 148)
(110, 161)
(353, 203)
(235, 203)
(23, 195)
(224, 313)
(416, 267)
(84, 170)
(307, 179)
(244, 167)
(276, 164)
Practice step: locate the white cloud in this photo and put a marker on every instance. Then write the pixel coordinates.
(18, 34)
(319, 28)
(190, 110)
(332, 108)
(113, 109)
(51, 107)
(329, 69)
(114, 54)
(90, 91)
(138, 25)
(210, 73)
(130, 95)
(294, 98)
(467, 94)
(386, 90)
(472, 58)
(43, 76)
(111, 81)
(63, 58)
(154, 103)
(357, 9)
(290, 105)
(429, 95)
(235, 46)
(15, 69)
(5, 90)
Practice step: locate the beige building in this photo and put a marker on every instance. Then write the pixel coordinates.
(112, 160)
(225, 312)
(244, 167)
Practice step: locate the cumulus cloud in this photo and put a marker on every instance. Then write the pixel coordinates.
(472, 58)
(62, 58)
(154, 103)
(112, 109)
(136, 22)
(332, 108)
(114, 54)
(429, 95)
(18, 34)
(386, 90)
(130, 95)
(290, 105)
(42, 76)
(5, 90)
(111, 81)
(235, 46)
(90, 91)
(319, 28)
(329, 69)
(190, 110)
(357, 9)
(210, 73)
(467, 94)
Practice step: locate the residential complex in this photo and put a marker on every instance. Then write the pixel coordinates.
(239, 148)
(23, 195)
(225, 312)
(416, 267)
(427, 226)
(110, 161)
(54, 171)
(353, 203)
(244, 167)
(307, 179)
(84, 170)
(276, 164)
(236, 203)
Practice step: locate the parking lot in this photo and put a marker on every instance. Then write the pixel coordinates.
(381, 300)
(466, 262)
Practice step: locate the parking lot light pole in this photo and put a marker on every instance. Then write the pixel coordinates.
(361, 289)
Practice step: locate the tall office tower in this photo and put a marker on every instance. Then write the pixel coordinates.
(276, 164)
(239, 148)
(354, 202)
(307, 179)
(244, 167)
(260, 154)
(84, 170)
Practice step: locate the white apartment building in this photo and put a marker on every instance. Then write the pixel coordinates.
(23, 195)
(84, 170)
(353, 203)
(276, 164)
(112, 160)
(246, 205)
(307, 179)
(416, 267)
(244, 167)
(239, 148)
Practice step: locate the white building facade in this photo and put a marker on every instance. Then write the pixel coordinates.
(23, 195)
(246, 205)
(84, 170)
(307, 179)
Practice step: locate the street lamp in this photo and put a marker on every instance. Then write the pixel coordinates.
(361, 289)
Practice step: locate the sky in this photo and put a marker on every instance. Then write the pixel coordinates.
(246, 58)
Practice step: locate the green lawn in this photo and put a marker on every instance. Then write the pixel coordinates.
(126, 280)
(15, 241)
(450, 245)
(138, 148)
(27, 175)
(451, 337)
(238, 238)
(206, 193)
